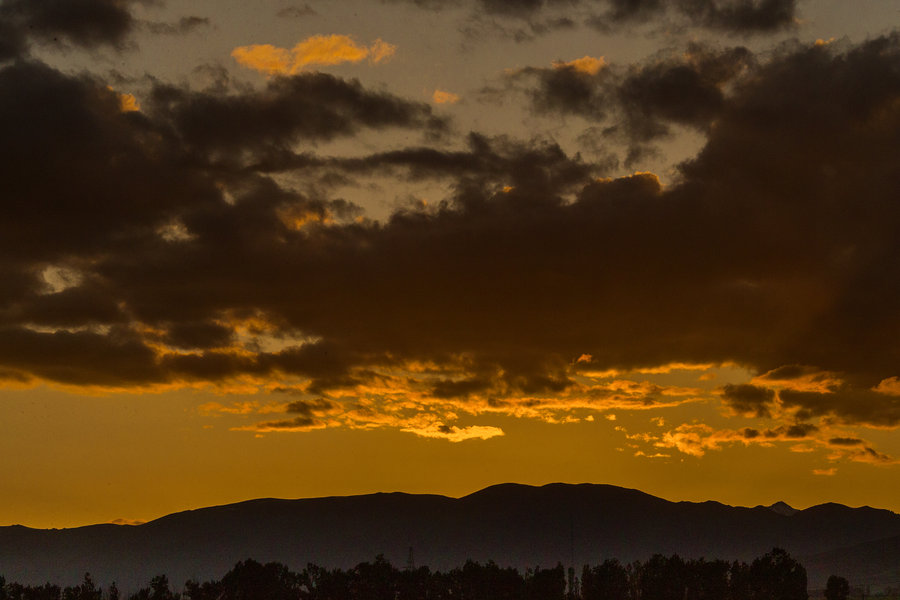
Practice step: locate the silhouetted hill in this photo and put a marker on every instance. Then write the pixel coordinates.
(516, 525)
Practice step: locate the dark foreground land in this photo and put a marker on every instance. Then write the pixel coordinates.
(774, 576)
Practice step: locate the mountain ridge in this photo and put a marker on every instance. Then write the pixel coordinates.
(512, 524)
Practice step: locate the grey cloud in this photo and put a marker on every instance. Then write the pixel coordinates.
(183, 26)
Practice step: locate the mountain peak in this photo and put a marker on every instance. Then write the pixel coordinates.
(783, 508)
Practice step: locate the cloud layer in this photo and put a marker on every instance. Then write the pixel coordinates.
(166, 241)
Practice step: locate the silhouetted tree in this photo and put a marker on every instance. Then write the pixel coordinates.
(208, 590)
(837, 588)
(707, 580)
(251, 580)
(48, 591)
(475, 581)
(441, 586)
(13, 590)
(546, 584)
(607, 581)
(777, 576)
(414, 584)
(158, 590)
(86, 591)
(317, 583)
(373, 581)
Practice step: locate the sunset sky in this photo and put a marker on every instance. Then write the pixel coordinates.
(294, 249)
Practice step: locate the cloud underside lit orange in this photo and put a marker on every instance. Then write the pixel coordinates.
(317, 50)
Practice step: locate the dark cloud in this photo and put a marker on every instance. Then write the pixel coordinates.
(734, 16)
(309, 407)
(75, 306)
(775, 247)
(848, 405)
(198, 335)
(87, 23)
(117, 357)
(497, 161)
(308, 416)
(749, 399)
(184, 26)
(510, 8)
(640, 104)
(843, 441)
(12, 41)
(800, 430)
(313, 106)
(742, 16)
(297, 11)
(873, 455)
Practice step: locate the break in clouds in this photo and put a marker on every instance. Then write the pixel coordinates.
(164, 241)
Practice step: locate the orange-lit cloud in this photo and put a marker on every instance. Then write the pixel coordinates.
(456, 434)
(800, 378)
(442, 97)
(247, 407)
(889, 386)
(381, 51)
(266, 58)
(586, 64)
(696, 439)
(128, 103)
(416, 399)
(314, 51)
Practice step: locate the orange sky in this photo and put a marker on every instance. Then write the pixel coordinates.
(312, 249)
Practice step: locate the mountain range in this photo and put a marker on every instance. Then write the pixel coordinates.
(516, 525)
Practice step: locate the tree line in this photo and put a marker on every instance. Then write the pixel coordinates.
(774, 576)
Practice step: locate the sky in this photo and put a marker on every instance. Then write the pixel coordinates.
(300, 249)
